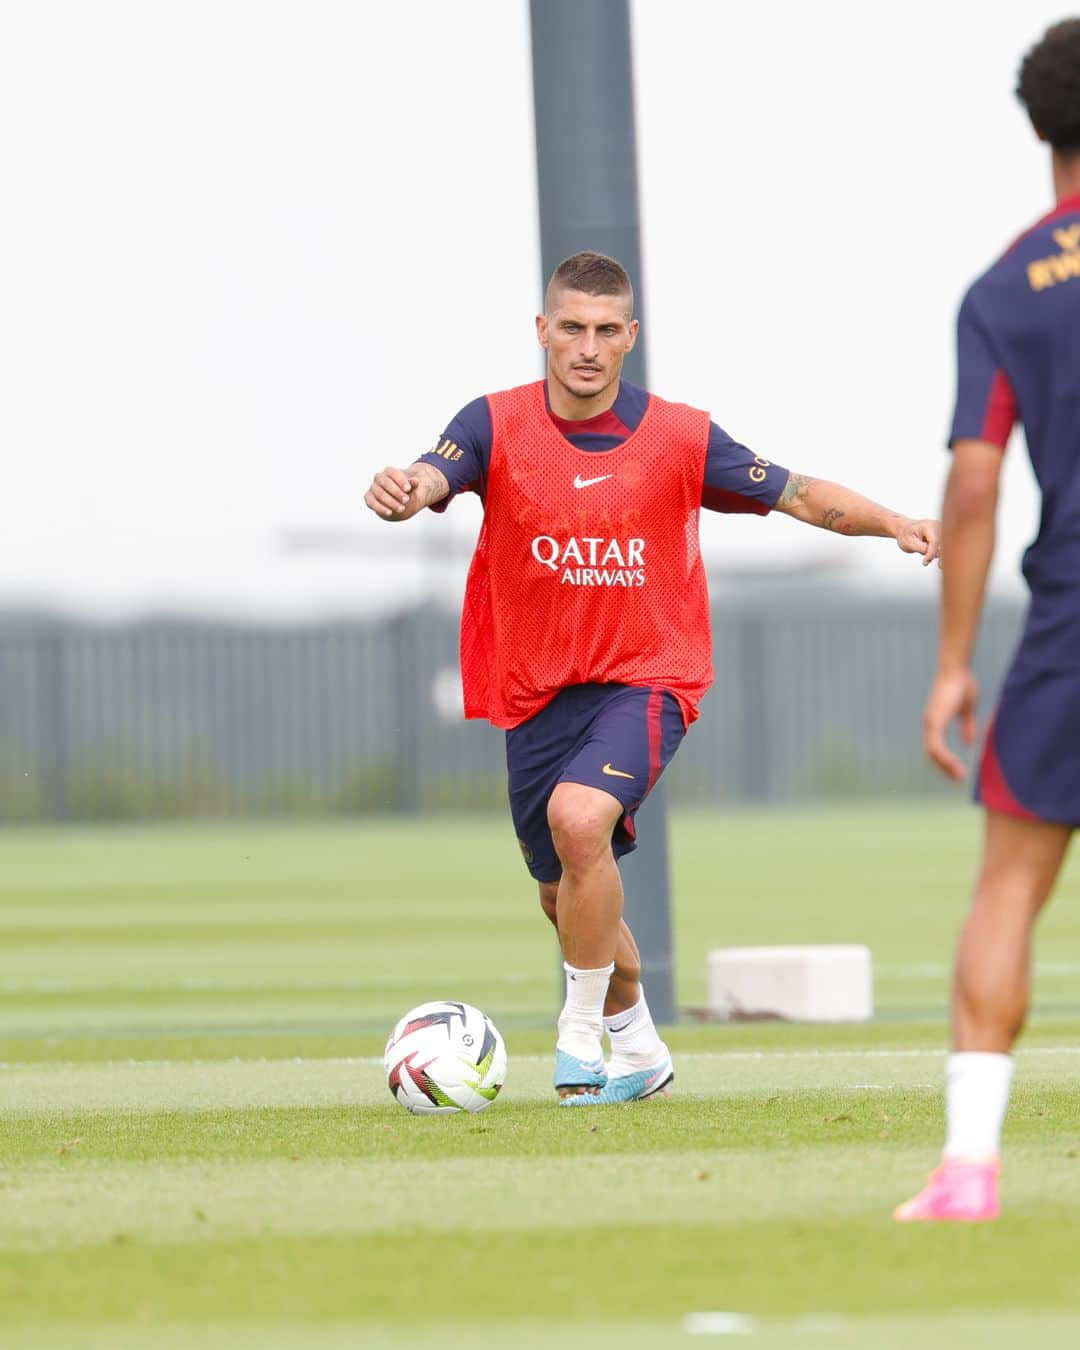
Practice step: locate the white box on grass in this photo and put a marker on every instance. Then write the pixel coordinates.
(799, 984)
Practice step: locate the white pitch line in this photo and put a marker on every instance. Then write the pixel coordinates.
(804, 1054)
(851, 1054)
(372, 1061)
(718, 1324)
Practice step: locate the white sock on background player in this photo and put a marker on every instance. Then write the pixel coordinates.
(977, 1088)
(581, 1022)
(635, 1042)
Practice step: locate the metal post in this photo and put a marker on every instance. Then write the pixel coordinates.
(586, 158)
(586, 161)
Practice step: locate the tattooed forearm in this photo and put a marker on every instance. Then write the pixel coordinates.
(831, 506)
(796, 488)
(433, 486)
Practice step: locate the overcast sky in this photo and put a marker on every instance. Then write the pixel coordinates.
(254, 251)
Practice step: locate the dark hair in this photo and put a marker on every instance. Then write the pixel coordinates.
(592, 274)
(1049, 85)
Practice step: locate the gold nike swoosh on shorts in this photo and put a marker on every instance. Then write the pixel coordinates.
(615, 773)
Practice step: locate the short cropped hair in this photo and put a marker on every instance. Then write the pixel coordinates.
(592, 274)
(1049, 85)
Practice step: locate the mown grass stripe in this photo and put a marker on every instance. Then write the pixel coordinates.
(153, 1085)
(47, 1206)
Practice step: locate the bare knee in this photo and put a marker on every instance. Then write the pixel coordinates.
(581, 820)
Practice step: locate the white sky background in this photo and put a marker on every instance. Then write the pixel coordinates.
(254, 251)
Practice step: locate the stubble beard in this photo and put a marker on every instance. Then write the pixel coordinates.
(588, 392)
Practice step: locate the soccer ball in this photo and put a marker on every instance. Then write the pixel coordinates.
(444, 1057)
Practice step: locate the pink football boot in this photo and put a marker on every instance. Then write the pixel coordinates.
(960, 1191)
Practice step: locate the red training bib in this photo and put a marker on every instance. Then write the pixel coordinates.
(587, 568)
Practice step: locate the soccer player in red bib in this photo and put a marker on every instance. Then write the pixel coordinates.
(585, 629)
(1018, 359)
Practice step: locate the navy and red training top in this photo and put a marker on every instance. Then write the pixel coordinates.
(1018, 358)
(463, 453)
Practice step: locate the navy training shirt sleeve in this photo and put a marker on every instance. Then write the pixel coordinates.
(738, 482)
(985, 403)
(463, 452)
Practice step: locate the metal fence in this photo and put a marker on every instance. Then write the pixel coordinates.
(816, 696)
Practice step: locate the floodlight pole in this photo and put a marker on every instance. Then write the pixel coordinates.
(586, 161)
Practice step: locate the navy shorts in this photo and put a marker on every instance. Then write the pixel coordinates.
(616, 737)
(1030, 765)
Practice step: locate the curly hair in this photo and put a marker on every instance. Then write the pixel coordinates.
(592, 274)
(1049, 85)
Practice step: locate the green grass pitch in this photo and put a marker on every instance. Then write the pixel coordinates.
(197, 1147)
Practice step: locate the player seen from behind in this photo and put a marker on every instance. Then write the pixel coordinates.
(585, 630)
(1018, 359)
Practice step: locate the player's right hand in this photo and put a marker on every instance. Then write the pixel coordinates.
(954, 695)
(391, 494)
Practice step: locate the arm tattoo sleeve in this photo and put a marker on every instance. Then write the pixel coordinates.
(831, 518)
(796, 488)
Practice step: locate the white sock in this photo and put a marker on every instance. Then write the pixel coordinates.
(581, 1022)
(634, 1039)
(976, 1094)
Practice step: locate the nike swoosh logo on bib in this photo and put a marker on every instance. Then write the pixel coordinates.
(588, 482)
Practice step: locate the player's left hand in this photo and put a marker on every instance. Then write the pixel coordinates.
(920, 536)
